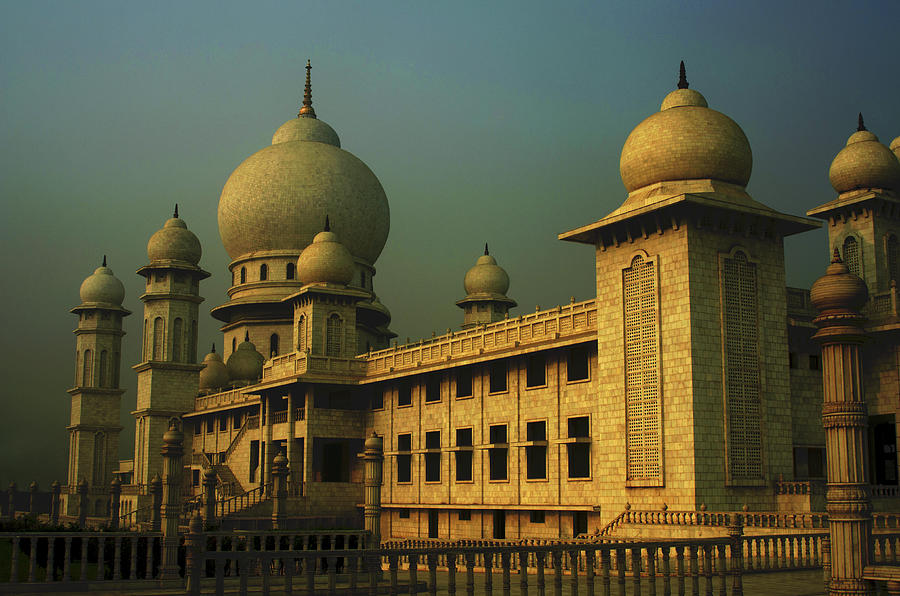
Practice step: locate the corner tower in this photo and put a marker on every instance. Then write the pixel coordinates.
(168, 372)
(486, 284)
(96, 397)
(690, 284)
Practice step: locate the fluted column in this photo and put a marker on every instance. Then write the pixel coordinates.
(838, 296)
(279, 490)
(115, 493)
(171, 508)
(374, 458)
(209, 496)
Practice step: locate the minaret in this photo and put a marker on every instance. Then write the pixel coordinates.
(94, 422)
(168, 372)
(486, 284)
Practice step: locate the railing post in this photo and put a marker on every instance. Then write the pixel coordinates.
(209, 496)
(156, 492)
(32, 498)
(82, 503)
(55, 489)
(115, 491)
(826, 561)
(11, 500)
(171, 509)
(193, 552)
(373, 456)
(736, 535)
(279, 490)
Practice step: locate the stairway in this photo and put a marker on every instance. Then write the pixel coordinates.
(228, 481)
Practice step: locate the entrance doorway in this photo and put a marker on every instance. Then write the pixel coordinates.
(500, 525)
(579, 523)
(432, 523)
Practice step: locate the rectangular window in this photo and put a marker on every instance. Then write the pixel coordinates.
(465, 515)
(403, 514)
(497, 456)
(464, 457)
(792, 360)
(236, 420)
(210, 424)
(195, 477)
(537, 517)
(579, 453)
(433, 460)
(404, 458)
(498, 376)
(535, 370)
(809, 463)
(577, 363)
(376, 399)
(813, 362)
(464, 382)
(433, 388)
(536, 455)
(404, 395)
(223, 423)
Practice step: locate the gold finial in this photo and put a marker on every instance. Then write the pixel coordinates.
(307, 110)
(836, 257)
(860, 125)
(682, 78)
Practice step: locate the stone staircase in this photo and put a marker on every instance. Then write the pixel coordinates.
(231, 486)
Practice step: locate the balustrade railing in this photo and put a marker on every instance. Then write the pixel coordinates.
(751, 519)
(243, 501)
(279, 417)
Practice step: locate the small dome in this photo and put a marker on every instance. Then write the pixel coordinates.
(326, 260)
(486, 277)
(306, 129)
(864, 163)
(685, 140)
(174, 242)
(838, 289)
(895, 147)
(214, 374)
(245, 363)
(102, 286)
(374, 442)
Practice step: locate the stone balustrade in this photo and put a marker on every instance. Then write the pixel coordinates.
(751, 519)
(298, 363)
(230, 397)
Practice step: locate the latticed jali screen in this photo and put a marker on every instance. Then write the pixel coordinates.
(742, 399)
(851, 255)
(642, 390)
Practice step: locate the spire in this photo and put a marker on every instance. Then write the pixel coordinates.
(307, 110)
(836, 257)
(327, 225)
(682, 79)
(176, 211)
(213, 351)
(860, 125)
(104, 260)
(247, 335)
(486, 249)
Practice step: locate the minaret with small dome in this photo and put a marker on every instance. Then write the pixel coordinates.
(96, 395)
(486, 284)
(214, 376)
(168, 372)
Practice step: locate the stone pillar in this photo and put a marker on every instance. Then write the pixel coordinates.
(193, 553)
(279, 490)
(171, 508)
(115, 492)
(270, 448)
(55, 490)
(289, 445)
(82, 503)
(32, 498)
(373, 456)
(11, 493)
(736, 535)
(209, 496)
(838, 297)
(156, 494)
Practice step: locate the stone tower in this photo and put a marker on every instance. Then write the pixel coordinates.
(168, 372)
(486, 284)
(94, 423)
(691, 292)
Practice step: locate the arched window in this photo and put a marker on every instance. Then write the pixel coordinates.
(233, 344)
(333, 330)
(301, 334)
(273, 345)
(263, 272)
(87, 374)
(851, 255)
(158, 338)
(362, 279)
(145, 353)
(117, 364)
(291, 271)
(893, 258)
(243, 275)
(104, 365)
(177, 335)
(99, 459)
(192, 344)
(77, 368)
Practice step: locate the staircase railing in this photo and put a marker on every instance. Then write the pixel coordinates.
(244, 500)
(234, 442)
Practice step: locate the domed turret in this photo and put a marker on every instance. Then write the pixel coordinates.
(864, 163)
(895, 147)
(214, 374)
(174, 242)
(245, 363)
(838, 290)
(486, 284)
(685, 140)
(276, 199)
(326, 260)
(102, 287)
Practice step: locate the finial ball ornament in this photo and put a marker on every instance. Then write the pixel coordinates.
(838, 290)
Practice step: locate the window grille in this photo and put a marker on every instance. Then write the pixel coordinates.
(851, 255)
(742, 385)
(642, 390)
(333, 336)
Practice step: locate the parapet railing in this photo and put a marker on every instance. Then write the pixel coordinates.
(572, 319)
(243, 501)
(751, 519)
(296, 363)
(223, 398)
(799, 487)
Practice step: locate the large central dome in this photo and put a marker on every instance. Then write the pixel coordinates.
(278, 197)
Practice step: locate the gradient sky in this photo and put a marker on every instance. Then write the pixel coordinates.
(485, 121)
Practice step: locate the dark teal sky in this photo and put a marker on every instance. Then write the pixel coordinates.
(499, 122)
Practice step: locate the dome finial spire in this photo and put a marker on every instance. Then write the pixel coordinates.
(836, 256)
(682, 77)
(247, 335)
(486, 249)
(213, 351)
(104, 260)
(860, 124)
(327, 224)
(307, 110)
(176, 210)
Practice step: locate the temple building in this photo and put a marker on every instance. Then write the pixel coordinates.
(690, 381)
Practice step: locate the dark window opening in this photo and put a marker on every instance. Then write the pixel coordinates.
(223, 423)
(403, 514)
(464, 515)
(273, 345)
(209, 424)
(535, 370)
(536, 455)
(263, 272)
(404, 460)
(404, 395)
(236, 422)
(243, 275)
(362, 279)
(884, 450)
(537, 517)
(464, 458)
(335, 460)
(792, 360)
(464, 382)
(433, 388)
(497, 456)
(499, 525)
(254, 459)
(579, 523)
(498, 376)
(195, 477)
(377, 399)
(433, 460)
(809, 462)
(813, 362)
(579, 454)
(579, 426)
(433, 523)
(290, 271)
(577, 365)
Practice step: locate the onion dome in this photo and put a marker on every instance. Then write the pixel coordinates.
(102, 287)
(245, 363)
(214, 374)
(838, 290)
(276, 198)
(326, 260)
(173, 438)
(374, 443)
(864, 163)
(486, 277)
(895, 147)
(174, 242)
(685, 140)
